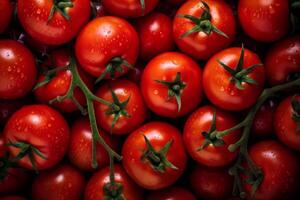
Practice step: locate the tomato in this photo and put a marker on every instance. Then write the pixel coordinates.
(135, 75)
(106, 46)
(129, 8)
(98, 9)
(205, 150)
(171, 84)
(39, 131)
(80, 148)
(58, 84)
(264, 21)
(17, 69)
(203, 28)
(155, 33)
(8, 107)
(280, 168)
(96, 185)
(53, 22)
(211, 183)
(6, 11)
(154, 155)
(12, 198)
(283, 60)
(173, 193)
(237, 85)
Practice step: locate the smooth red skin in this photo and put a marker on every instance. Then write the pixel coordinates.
(221, 91)
(165, 67)
(80, 148)
(211, 183)
(281, 171)
(155, 33)
(94, 188)
(200, 121)
(33, 16)
(284, 125)
(282, 60)
(101, 40)
(128, 8)
(158, 133)
(17, 69)
(12, 198)
(265, 21)
(136, 108)
(3, 148)
(63, 182)
(6, 11)
(200, 45)
(60, 84)
(42, 127)
(173, 193)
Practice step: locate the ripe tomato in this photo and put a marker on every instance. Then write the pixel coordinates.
(203, 28)
(8, 107)
(127, 110)
(17, 70)
(154, 155)
(95, 188)
(106, 46)
(12, 198)
(265, 21)
(155, 33)
(53, 22)
(129, 8)
(211, 183)
(209, 151)
(6, 11)
(280, 168)
(171, 84)
(238, 84)
(173, 193)
(41, 133)
(283, 60)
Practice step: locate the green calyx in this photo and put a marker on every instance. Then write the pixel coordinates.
(175, 88)
(239, 75)
(5, 164)
(113, 191)
(295, 104)
(202, 24)
(60, 6)
(157, 159)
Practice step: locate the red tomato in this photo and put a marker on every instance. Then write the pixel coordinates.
(3, 148)
(281, 171)
(129, 8)
(39, 130)
(12, 198)
(95, 187)
(6, 11)
(214, 152)
(155, 32)
(17, 69)
(107, 42)
(283, 60)
(158, 163)
(68, 18)
(236, 91)
(8, 107)
(135, 75)
(265, 21)
(173, 193)
(130, 112)
(211, 183)
(171, 84)
(214, 32)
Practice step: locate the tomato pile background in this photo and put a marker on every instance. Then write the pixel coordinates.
(149, 99)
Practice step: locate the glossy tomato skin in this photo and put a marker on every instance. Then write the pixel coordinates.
(264, 21)
(17, 69)
(201, 45)
(60, 183)
(33, 16)
(173, 193)
(103, 39)
(129, 8)
(165, 67)
(155, 33)
(6, 11)
(43, 128)
(281, 171)
(159, 134)
(211, 183)
(282, 60)
(136, 108)
(200, 121)
(12, 198)
(284, 125)
(94, 188)
(221, 91)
